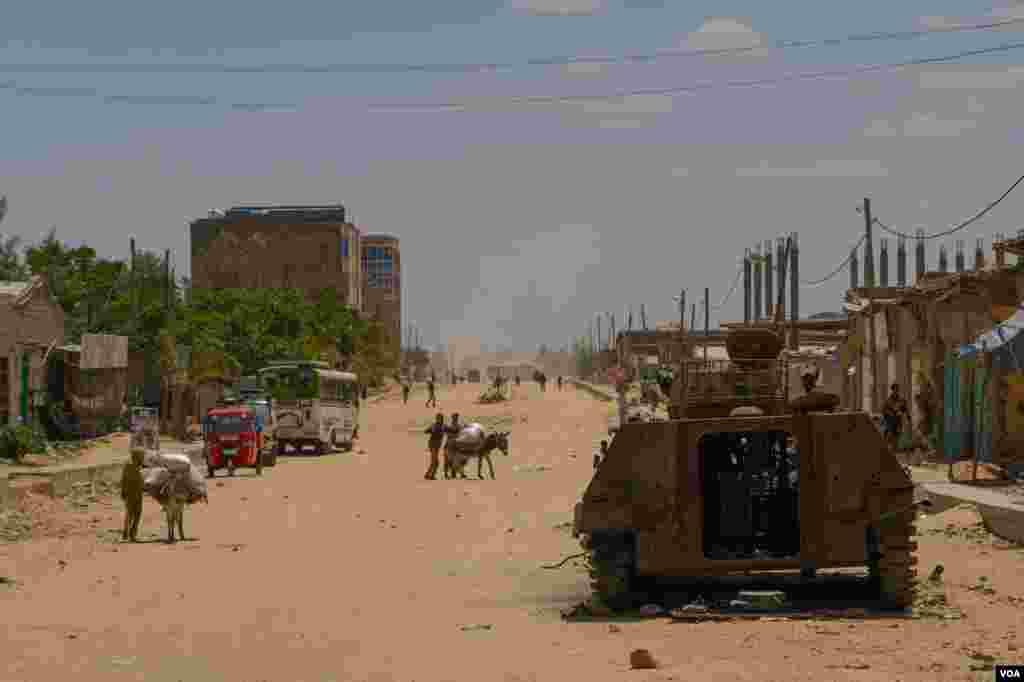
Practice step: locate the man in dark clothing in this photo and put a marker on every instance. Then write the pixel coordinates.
(131, 494)
(893, 411)
(436, 431)
(405, 392)
(559, 382)
(431, 393)
(454, 428)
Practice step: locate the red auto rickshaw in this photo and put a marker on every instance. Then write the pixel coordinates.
(232, 438)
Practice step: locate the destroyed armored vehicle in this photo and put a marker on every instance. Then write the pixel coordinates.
(797, 488)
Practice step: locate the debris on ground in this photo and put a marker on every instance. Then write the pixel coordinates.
(470, 628)
(641, 659)
(492, 395)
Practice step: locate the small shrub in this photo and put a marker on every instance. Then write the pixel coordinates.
(18, 441)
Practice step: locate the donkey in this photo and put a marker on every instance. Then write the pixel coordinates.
(173, 499)
(459, 458)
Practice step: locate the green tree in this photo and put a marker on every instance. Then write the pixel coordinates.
(11, 266)
(584, 357)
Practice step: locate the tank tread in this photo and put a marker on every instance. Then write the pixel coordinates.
(612, 569)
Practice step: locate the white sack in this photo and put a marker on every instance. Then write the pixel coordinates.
(175, 462)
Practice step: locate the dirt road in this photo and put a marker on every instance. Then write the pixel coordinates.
(352, 567)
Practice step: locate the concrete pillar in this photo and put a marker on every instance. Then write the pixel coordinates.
(769, 298)
(883, 263)
(758, 280)
(854, 269)
(747, 276)
(901, 262)
(960, 261)
(943, 259)
(919, 256)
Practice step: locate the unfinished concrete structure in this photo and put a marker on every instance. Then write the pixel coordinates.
(381, 264)
(271, 247)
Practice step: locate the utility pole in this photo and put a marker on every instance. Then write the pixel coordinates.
(794, 290)
(869, 249)
(682, 323)
(167, 279)
(707, 322)
(134, 285)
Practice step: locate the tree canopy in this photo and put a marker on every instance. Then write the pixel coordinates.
(250, 327)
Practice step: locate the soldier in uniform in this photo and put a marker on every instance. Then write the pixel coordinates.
(893, 411)
(431, 393)
(436, 431)
(131, 494)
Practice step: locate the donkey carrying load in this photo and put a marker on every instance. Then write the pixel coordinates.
(473, 441)
(174, 481)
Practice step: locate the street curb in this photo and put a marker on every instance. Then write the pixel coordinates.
(56, 483)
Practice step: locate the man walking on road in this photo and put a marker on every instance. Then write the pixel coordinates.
(436, 431)
(431, 393)
(131, 494)
(559, 382)
(405, 392)
(454, 428)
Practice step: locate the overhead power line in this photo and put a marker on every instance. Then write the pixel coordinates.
(209, 100)
(728, 295)
(697, 87)
(470, 67)
(956, 228)
(839, 268)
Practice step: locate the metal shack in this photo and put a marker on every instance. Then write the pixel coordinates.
(91, 380)
(31, 322)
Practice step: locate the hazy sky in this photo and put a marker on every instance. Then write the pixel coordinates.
(518, 220)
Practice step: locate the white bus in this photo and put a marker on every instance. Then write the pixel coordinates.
(312, 405)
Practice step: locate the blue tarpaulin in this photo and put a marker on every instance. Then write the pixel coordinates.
(996, 337)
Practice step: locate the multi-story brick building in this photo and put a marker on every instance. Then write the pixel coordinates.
(382, 282)
(304, 247)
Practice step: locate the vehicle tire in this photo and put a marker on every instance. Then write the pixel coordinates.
(894, 572)
(333, 440)
(209, 470)
(259, 467)
(613, 569)
(270, 458)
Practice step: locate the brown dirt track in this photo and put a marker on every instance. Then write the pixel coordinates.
(352, 567)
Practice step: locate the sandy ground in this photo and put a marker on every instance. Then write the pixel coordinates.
(352, 567)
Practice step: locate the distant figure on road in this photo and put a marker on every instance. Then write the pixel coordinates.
(131, 494)
(559, 382)
(431, 393)
(436, 431)
(405, 392)
(543, 379)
